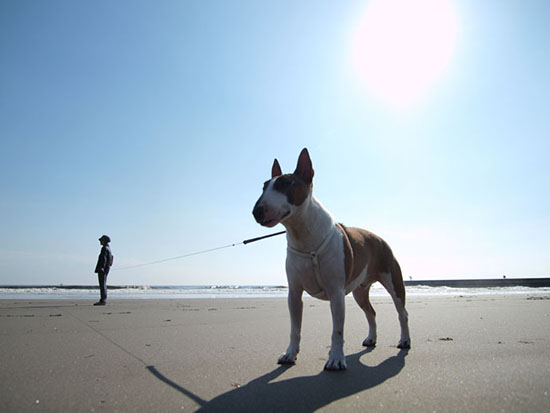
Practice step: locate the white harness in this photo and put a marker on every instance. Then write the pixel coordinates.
(314, 256)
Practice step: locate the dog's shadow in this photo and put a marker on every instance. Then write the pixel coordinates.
(302, 394)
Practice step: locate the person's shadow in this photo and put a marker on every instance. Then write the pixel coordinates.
(300, 394)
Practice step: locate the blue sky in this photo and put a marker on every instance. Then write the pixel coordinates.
(157, 123)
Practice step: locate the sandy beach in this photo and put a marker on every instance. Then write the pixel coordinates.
(469, 353)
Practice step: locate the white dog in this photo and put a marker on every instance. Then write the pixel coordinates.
(327, 259)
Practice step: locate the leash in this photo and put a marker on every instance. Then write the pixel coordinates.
(245, 242)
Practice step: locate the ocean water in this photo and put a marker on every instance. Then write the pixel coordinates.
(228, 291)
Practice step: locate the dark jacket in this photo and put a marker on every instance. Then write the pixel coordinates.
(104, 261)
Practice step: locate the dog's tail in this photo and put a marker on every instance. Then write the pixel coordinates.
(397, 278)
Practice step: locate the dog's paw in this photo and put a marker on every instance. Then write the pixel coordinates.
(404, 343)
(336, 364)
(369, 342)
(287, 358)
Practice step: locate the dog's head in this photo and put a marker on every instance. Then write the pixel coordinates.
(283, 194)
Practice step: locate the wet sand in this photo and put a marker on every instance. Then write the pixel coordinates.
(482, 353)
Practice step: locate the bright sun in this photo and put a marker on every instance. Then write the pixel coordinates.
(401, 47)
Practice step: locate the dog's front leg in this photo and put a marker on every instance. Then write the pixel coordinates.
(295, 307)
(336, 359)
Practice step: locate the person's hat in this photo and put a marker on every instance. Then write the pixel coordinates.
(105, 238)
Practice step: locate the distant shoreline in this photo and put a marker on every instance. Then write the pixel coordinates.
(140, 287)
(467, 283)
(483, 283)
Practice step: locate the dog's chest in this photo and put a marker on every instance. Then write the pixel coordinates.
(317, 272)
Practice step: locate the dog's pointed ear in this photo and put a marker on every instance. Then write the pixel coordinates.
(276, 169)
(304, 169)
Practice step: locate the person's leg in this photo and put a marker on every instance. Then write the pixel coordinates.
(102, 278)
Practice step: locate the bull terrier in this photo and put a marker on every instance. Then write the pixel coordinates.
(327, 260)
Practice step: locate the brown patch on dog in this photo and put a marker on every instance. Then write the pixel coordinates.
(295, 189)
(355, 261)
(362, 247)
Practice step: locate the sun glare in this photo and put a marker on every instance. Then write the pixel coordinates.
(401, 47)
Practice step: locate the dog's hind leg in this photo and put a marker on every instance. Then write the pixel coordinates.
(361, 295)
(393, 283)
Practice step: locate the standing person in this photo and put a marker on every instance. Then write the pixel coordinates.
(104, 262)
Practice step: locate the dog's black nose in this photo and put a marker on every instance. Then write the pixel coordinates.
(258, 213)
